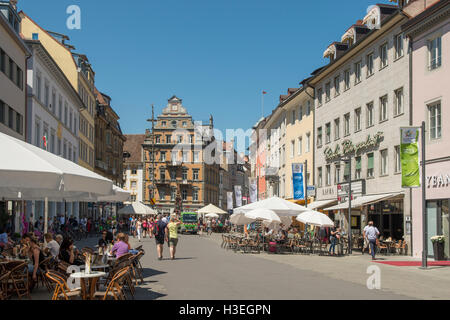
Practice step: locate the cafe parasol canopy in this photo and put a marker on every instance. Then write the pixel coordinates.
(210, 208)
(212, 215)
(28, 172)
(315, 218)
(137, 208)
(281, 207)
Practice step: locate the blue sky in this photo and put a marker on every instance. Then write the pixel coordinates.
(217, 56)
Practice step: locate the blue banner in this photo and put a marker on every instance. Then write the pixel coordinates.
(297, 181)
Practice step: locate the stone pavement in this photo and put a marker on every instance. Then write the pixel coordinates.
(413, 282)
(205, 271)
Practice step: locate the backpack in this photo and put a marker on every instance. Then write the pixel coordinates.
(155, 230)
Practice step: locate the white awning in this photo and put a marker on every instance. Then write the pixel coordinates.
(362, 201)
(320, 204)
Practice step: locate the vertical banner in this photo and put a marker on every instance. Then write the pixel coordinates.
(409, 155)
(253, 191)
(297, 181)
(238, 193)
(229, 200)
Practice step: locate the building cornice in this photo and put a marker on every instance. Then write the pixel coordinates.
(427, 19)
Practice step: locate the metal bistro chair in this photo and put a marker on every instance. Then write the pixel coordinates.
(18, 281)
(4, 285)
(115, 287)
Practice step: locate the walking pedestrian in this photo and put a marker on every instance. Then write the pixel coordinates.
(144, 227)
(139, 228)
(334, 234)
(366, 241)
(372, 234)
(172, 235)
(159, 231)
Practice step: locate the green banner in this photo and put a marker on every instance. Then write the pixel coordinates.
(409, 155)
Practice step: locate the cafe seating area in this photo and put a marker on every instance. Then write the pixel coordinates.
(107, 277)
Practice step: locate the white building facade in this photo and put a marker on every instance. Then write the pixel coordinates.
(53, 115)
(360, 104)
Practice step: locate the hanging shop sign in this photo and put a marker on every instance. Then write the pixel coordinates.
(409, 155)
(358, 189)
(348, 147)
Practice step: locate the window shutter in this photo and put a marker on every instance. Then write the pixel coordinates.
(370, 161)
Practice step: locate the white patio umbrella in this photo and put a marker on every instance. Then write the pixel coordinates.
(212, 215)
(210, 208)
(286, 221)
(281, 207)
(137, 208)
(119, 195)
(315, 218)
(28, 173)
(240, 219)
(263, 215)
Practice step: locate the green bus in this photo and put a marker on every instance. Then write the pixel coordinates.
(189, 222)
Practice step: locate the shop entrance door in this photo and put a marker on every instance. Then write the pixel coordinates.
(438, 224)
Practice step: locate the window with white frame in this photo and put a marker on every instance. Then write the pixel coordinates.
(195, 174)
(398, 102)
(435, 120)
(195, 195)
(337, 128)
(370, 165)
(384, 162)
(370, 114)
(434, 53)
(383, 56)
(337, 82)
(319, 177)
(319, 96)
(308, 108)
(398, 161)
(384, 108)
(369, 64)
(347, 79)
(184, 174)
(337, 174)
(319, 136)
(308, 142)
(300, 113)
(398, 45)
(347, 124)
(358, 72)
(184, 194)
(328, 132)
(293, 117)
(328, 175)
(327, 92)
(358, 120)
(173, 194)
(300, 146)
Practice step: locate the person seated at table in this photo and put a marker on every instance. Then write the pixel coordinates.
(120, 247)
(51, 247)
(282, 234)
(35, 254)
(59, 238)
(68, 254)
(5, 242)
(109, 236)
(103, 241)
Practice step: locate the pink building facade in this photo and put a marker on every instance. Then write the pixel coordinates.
(429, 33)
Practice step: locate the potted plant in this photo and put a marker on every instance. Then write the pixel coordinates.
(438, 247)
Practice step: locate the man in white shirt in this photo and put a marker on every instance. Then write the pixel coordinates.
(52, 246)
(372, 234)
(366, 241)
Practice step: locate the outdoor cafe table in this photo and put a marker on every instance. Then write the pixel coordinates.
(92, 279)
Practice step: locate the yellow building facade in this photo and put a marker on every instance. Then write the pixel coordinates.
(80, 75)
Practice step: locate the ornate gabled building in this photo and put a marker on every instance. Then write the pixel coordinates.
(109, 141)
(176, 175)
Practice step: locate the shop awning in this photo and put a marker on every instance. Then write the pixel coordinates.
(320, 204)
(363, 201)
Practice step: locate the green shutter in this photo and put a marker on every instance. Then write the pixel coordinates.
(370, 161)
(358, 163)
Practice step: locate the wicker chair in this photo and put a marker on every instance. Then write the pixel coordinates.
(45, 266)
(18, 281)
(115, 286)
(4, 285)
(62, 291)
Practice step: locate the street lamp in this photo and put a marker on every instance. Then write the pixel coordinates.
(349, 160)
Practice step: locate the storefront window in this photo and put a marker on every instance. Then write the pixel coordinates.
(387, 216)
(438, 223)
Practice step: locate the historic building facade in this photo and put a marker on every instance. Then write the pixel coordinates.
(429, 32)
(109, 141)
(13, 56)
(359, 109)
(176, 173)
(133, 166)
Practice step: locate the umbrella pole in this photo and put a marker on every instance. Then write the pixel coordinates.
(46, 215)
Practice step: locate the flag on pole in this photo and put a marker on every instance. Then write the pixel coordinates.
(264, 92)
(44, 139)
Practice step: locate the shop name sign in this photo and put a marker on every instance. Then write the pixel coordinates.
(348, 147)
(358, 188)
(438, 181)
